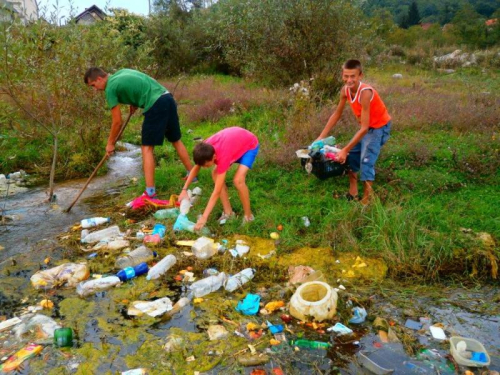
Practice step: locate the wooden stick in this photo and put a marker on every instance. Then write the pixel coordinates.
(98, 166)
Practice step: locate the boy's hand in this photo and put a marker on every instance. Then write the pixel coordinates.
(110, 148)
(342, 156)
(200, 223)
(183, 195)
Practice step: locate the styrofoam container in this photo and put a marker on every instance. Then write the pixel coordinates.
(472, 346)
(314, 299)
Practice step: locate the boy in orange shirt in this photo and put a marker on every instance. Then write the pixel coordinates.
(363, 150)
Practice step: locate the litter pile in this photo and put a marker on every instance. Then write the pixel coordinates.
(266, 329)
(320, 159)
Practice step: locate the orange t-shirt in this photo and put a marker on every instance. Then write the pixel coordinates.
(378, 112)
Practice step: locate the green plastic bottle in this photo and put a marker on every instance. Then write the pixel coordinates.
(309, 344)
(63, 337)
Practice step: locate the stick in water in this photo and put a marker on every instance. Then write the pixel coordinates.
(98, 166)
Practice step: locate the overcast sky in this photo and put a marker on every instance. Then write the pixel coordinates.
(134, 6)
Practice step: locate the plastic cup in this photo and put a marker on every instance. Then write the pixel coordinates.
(63, 337)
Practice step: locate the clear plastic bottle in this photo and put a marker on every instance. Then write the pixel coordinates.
(236, 281)
(90, 287)
(94, 222)
(208, 285)
(185, 206)
(309, 344)
(108, 233)
(161, 267)
(169, 213)
(135, 257)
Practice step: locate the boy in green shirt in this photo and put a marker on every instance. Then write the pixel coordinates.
(138, 90)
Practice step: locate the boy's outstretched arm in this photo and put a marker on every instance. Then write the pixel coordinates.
(116, 124)
(332, 121)
(192, 175)
(219, 184)
(366, 96)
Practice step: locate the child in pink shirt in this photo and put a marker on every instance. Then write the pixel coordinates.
(231, 145)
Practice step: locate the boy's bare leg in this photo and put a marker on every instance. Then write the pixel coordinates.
(183, 154)
(353, 183)
(224, 196)
(368, 192)
(240, 184)
(148, 164)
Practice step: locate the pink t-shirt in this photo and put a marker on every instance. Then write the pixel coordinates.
(230, 144)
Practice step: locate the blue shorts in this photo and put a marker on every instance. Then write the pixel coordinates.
(248, 157)
(364, 155)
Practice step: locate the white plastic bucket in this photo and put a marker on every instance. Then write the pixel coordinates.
(314, 299)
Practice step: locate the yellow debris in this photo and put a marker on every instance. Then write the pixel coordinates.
(274, 305)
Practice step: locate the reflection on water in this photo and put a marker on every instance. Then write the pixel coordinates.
(36, 220)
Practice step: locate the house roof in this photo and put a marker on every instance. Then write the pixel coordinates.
(93, 11)
(491, 22)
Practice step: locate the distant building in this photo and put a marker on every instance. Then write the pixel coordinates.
(90, 15)
(26, 10)
(426, 25)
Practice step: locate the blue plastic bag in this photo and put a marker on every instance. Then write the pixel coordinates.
(359, 315)
(250, 305)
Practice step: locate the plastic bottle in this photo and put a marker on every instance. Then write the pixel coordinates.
(208, 285)
(185, 206)
(111, 232)
(94, 222)
(90, 287)
(302, 343)
(131, 272)
(140, 255)
(63, 337)
(236, 281)
(170, 213)
(161, 267)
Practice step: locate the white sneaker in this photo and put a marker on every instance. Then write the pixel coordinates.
(225, 217)
(248, 220)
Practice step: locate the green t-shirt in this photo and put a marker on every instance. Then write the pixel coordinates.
(131, 87)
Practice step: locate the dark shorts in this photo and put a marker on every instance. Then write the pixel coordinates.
(161, 121)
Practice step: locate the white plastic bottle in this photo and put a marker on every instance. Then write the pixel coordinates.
(208, 285)
(185, 206)
(161, 267)
(94, 222)
(236, 281)
(140, 255)
(90, 287)
(108, 233)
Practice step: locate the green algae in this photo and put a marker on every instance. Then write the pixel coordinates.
(76, 312)
(336, 265)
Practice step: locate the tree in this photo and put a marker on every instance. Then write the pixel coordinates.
(413, 15)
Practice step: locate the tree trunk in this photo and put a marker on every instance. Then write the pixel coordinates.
(53, 170)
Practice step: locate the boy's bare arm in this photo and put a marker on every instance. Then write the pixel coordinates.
(365, 125)
(332, 121)
(116, 124)
(219, 183)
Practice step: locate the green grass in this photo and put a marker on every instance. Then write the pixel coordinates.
(414, 225)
